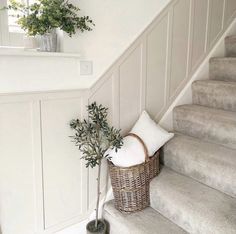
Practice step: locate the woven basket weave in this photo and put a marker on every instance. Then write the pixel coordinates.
(131, 184)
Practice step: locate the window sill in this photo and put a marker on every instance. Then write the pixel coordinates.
(20, 51)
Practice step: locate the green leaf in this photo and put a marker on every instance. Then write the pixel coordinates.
(45, 15)
(94, 136)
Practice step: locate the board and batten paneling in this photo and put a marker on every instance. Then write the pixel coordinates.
(230, 8)
(17, 175)
(130, 88)
(215, 20)
(199, 29)
(64, 174)
(42, 174)
(104, 95)
(157, 40)
(179, 45)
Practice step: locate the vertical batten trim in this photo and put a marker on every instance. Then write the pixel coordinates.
(37, 160)
(84, 115)
(169, 53)
(119, 91)
(208, 26)
(115, 99)
(42, 166)
(223, 16)
(85, 172)
(190, 37)
(143, 82)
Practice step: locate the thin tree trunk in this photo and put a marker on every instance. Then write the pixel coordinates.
(98, 192)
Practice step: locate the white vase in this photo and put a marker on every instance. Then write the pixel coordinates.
(30, 42)
(48, 42)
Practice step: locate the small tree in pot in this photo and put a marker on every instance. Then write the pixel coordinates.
(43, 17)
(94, 137)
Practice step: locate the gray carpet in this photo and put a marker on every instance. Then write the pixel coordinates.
(215, 94)
(195, 191)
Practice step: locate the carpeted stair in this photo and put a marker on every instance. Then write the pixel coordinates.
(144, 222)
(196, 189)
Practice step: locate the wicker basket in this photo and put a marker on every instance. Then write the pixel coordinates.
(131, 184)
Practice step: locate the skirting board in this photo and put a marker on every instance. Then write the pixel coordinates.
(75, 229)
(81, 227)
(185, 96)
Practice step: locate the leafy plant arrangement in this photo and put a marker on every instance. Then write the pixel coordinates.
(94, 137)
(45, 15)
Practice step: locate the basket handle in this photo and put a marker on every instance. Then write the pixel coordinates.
(142, 143)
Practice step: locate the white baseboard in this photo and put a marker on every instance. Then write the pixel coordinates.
(185, 96)
(75, 229)
(81, 227)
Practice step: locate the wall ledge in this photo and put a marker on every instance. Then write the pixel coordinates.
(22, 52)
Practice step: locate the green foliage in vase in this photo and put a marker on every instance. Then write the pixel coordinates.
(94, 136)
(43, 16)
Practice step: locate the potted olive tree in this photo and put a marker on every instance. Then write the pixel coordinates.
(43, 17)
(94, 137)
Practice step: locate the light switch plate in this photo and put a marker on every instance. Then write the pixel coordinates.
(86, 68)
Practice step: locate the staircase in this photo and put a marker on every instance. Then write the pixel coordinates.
(196, 189)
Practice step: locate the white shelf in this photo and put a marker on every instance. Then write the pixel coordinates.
(20, 51)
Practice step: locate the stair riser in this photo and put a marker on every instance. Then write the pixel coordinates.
(215, 96)
(193, 206)
(161, 205)
(206, 126)
(202, 162)
(230, 47)
(222, 69)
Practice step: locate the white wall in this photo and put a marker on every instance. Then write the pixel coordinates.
(44, 187)
(118, 24)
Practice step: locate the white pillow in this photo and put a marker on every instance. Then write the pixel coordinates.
(153, 135)
(130, 154)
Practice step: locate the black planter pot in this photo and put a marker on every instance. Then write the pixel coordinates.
(102, 227)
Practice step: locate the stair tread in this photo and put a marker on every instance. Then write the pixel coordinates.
(147, 221)
(195, 207)
(214, 93)
(209, 163)
(233, 59)
(216, 83)
(214, 125)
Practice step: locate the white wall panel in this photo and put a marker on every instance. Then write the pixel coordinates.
(179, 44)
(156, 67)
(199, 18)
(230, 8)
(63, 171)
(130, 89)
(215, 20)
(104, 96)
(17, 178)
